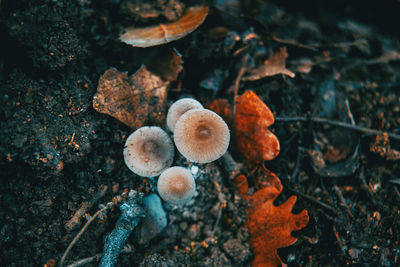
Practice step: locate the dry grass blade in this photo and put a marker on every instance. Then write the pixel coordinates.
(162, 34)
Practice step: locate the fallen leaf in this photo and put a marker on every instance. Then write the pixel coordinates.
(275, 64)
(162, 34)
(222, 107)
(166, 64)
(136, 100)
(253, 139)
(269, 226)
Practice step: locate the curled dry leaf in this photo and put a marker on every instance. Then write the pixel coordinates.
(166, 64)
(135, 100)
(269, 226)
(162, 34)
(275, 64)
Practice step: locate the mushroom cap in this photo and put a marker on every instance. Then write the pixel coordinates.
(148, 151)
(176, 185)
(178, 108)
(201, 135)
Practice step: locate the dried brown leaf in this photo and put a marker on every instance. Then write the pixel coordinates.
(134, 100)
(166, 64)
(162, 34)
(275, 64)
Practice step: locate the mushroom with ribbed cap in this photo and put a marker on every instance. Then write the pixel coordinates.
(176, 185)
(148, 151)
(201, 135)
(178, 108)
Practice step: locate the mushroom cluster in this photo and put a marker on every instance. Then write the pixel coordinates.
(200, 135)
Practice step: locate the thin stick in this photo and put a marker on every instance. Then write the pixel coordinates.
(342, 200)
(76, 218)
(221, 206)
(97, 257)
(326, 206)
(397, 191)
(237, 82)
(87, 260)
(339, 241)
(294, 43)
(364, 185)
(82, 231)
(296, 170)
(340, 124)
(349, 114)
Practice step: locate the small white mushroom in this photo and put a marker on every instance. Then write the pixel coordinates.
(201, 135)
(148, 151)
(178, 108)
(176, 185)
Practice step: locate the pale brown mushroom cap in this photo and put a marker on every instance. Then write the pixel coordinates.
(176, 185)
(178, 108)
(148, 151)
(201, 135)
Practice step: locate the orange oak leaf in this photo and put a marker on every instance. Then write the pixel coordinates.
(269, 226)
(253, 139)
(222, 107)
(165, 33)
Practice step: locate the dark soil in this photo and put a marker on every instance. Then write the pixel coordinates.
(56, 151)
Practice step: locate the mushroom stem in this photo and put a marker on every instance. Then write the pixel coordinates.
(231, 167)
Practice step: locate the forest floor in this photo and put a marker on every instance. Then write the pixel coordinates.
(57, 152)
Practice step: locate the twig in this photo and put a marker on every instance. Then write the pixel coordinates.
(237, 82)
(397, 191)
(362, 129)
(296, 170)
(81, 262)
(364, 185)
(221, 206)
(339, 240)
(349, 114)
(76, 218)
(293, 43)
(85, 260)
(342, 200)
(322, 204)
(222, 200)
(109, 205)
